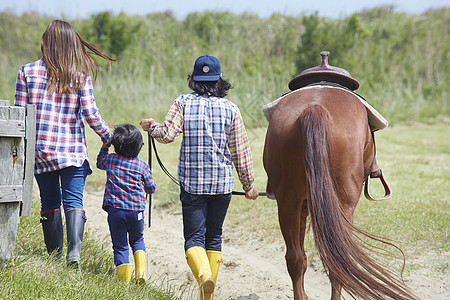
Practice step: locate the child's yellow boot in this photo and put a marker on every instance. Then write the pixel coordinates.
(124, 272)
(198, 262)
(139, 266)
(214, 258)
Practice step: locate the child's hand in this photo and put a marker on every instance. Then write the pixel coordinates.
(145, 123)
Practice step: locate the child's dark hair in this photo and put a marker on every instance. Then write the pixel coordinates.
(218, 88)
(127, 140)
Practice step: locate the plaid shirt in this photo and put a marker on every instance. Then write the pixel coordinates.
(126, 181)
(60, 137)
(214, 138)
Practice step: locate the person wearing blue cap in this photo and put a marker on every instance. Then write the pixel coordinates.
(214, 139)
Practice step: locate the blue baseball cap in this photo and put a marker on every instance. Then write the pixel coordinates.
(206, 68)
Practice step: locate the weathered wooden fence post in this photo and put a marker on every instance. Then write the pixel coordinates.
(17, 142)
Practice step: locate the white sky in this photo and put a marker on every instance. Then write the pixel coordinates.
(72, 9)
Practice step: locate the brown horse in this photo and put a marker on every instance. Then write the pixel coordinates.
(318, 152)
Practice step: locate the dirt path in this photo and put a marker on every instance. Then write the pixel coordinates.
(250, 270)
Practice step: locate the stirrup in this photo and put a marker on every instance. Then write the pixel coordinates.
(376, 174)
(387, 189)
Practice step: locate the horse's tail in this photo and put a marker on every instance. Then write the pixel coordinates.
(344, 260)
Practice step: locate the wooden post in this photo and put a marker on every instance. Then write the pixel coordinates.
(30, 141)
(17, 142)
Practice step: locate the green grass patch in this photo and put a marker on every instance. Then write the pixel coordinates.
(414, 160)
(31, 275)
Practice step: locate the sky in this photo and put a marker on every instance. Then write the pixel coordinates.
(74, 9)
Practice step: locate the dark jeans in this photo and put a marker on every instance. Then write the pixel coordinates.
(65, 185)
(203, 217)
(124, 224)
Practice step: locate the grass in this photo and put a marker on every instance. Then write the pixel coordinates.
(30, 275)
(415, 162)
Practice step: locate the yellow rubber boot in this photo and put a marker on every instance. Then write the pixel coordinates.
(214, 258)
(124, 272)
(139, 266)
(198, 262)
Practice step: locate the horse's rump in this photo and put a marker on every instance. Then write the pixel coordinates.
(284, 138)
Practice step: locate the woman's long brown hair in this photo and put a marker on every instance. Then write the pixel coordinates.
(66, 58)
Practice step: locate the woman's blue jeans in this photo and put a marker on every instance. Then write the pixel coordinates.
(203, 217)
(65, 185)
(125, 226)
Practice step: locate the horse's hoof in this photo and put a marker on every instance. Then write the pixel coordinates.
(305, 297)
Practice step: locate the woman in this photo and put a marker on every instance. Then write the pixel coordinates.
(214, 138)
(60, 86)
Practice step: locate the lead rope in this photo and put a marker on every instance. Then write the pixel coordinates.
(149, 196)
(173, 178)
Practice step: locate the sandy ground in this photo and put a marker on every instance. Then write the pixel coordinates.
(251, 269)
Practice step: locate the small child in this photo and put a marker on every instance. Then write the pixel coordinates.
(124, 200)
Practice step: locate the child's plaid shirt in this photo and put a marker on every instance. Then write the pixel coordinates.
(214, 138)
(60, 137)
(126, 180)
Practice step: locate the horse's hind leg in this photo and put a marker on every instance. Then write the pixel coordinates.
(292, 217)
(304, 215)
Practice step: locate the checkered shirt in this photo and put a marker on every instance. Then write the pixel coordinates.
(214, 138)
(60, 136)
(126, 181)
